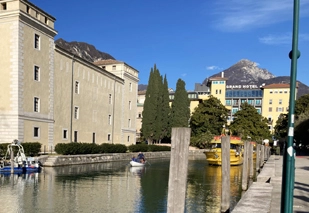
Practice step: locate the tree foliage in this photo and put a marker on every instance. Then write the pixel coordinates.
(156, 108)
(302, 104)
(301, 123)
(180, 112)
(202, 141)
(281, 128)
(249, 123)
(209, 116)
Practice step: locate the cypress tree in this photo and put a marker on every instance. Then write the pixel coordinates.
(180, 112)
(152, 124)
(165, 111)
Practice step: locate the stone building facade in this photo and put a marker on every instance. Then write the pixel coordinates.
(50, 95)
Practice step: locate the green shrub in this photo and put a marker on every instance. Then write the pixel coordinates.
(148, 148)
(138, 148)
(30, 148)
(88, 148)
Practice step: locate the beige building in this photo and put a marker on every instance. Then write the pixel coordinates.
(275, 101)
(50, 95)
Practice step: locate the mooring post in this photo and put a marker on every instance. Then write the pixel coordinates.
(177, 182)
(12, 160)
(244, 183)
(225, 173)
(258, 157)
(262, 156)
(250, 160)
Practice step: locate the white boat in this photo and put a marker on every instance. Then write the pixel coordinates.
(134, 163)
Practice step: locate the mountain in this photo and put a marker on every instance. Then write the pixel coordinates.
(83, 50)
(246, 72)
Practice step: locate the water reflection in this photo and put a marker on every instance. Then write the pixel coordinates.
(114, 187)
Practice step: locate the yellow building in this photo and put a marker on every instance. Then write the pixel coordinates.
(52, 96)
(275, 101)
(217, 87)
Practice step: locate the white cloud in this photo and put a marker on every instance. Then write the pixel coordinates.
(282, 39)
(183, 74)
(240, 15)
(213, 68)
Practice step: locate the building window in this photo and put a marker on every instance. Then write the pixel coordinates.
(109, 119)
(219, 91)
(270, 109)
(130, 87)
(114, 67)
(216, 91)
(36, 41)
(139, 115)
(46, 20)
(128, 139)
(270, 101)
(258, 110)
(271, 92)
(65, 134)
(3, 6)
(280, 91)
(285, 91)
(280, 101)
(93, 137)
(75, 136)
(109, 137)
(36, 73)
(130, 105)
(36, 132)
(76, 87)
(36, 104)
(28, 9)
(129, 123)
(269, 119)
(110, 98)
(76, 112)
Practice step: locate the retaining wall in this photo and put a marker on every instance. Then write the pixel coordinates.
(64, 160)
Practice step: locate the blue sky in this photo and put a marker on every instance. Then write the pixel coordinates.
(186, 39)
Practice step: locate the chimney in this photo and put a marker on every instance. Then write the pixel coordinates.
(222, 74)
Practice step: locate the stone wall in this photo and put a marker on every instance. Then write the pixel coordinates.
(64, 160)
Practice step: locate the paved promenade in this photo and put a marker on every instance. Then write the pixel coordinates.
(265, 194)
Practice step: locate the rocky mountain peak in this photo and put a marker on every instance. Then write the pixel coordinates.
(246, 71)
(83, 50)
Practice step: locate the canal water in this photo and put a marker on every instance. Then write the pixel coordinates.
(114, 188)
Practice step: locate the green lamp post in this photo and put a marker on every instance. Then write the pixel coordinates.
(288, 173)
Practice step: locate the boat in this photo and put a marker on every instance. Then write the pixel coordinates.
(21, 163)
(213, 155)
(134, 163)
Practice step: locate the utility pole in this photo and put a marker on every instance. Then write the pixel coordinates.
(288, 173)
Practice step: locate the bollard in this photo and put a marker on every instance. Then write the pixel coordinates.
(225, 174)
(244, 184)
(258, 157)
(250, 160)
(177, 182)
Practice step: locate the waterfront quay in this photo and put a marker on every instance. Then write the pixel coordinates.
(264, 195)
(66, 160)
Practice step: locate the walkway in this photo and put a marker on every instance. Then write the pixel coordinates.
(265, 194)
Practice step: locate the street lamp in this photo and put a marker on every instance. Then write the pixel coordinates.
(288, 173)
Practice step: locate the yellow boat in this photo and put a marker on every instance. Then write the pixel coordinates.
(213, 156)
